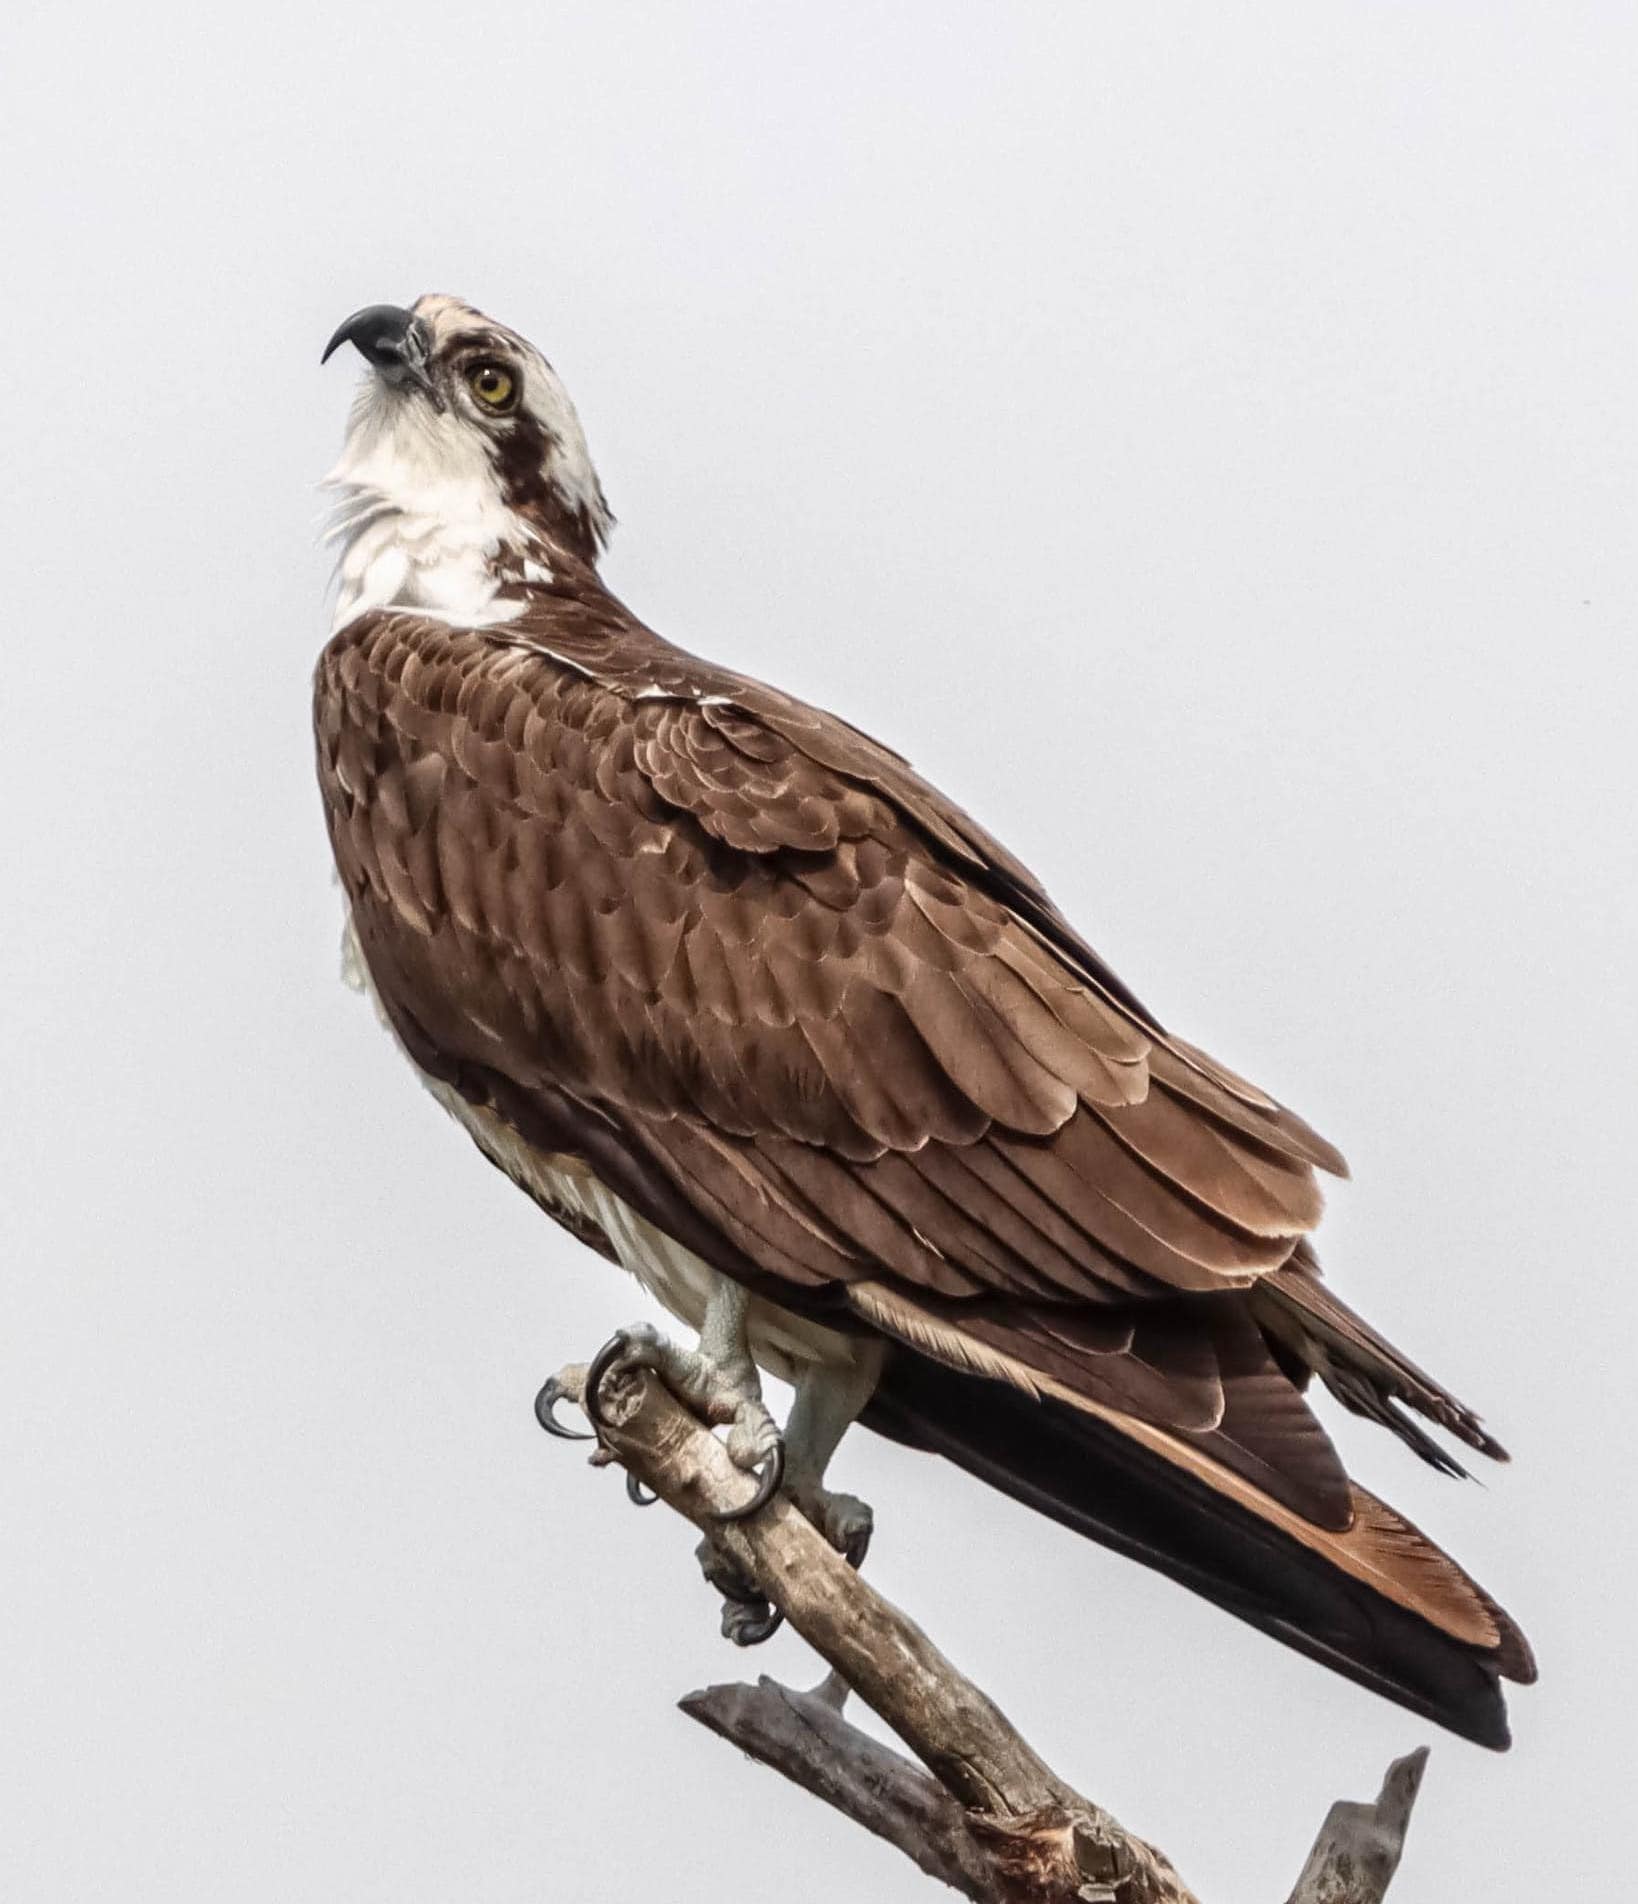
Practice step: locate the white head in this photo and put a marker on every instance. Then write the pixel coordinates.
(465, 474)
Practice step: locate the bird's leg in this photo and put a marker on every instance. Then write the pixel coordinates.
(718, 1381)
(828, 1399)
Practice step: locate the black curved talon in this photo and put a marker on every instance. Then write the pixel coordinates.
(760, 1630)
(552, 1392)
(772, 1478)
(747, 1617)
(601, 1363)
(637, 1494)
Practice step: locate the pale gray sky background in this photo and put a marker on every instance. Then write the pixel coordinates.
(1203, 438)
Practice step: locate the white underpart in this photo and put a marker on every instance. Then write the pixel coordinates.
(785, 1344)
(675, 1276)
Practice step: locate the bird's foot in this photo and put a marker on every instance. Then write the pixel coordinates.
(844, 1520)
(748, 1616)
(723, 1393)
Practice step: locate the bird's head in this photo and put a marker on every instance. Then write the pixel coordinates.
(462, 420)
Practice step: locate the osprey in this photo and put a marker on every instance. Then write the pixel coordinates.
(746, 1005)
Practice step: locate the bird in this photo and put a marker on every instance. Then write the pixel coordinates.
(761, 1016)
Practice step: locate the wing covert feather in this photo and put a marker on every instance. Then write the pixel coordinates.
(687, 895)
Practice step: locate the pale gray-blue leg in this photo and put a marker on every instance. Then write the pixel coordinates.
(828, 1400)
(718, 1380)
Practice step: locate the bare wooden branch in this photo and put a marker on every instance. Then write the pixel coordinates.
(1358, 1849)
(806, 1738)
(993, 1820)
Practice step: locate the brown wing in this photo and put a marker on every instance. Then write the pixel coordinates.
(815, 1020)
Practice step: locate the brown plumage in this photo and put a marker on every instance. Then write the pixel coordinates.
(805, 1016)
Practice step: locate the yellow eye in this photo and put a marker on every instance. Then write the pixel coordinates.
(496, 389)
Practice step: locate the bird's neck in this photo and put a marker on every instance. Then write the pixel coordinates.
(447, 550)
(433, 518)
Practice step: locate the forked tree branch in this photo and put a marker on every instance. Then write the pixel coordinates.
(987, 1816)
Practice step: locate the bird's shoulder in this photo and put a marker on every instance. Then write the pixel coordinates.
(759, 769)
(613, 808)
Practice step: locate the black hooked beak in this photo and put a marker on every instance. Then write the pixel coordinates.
(391, 340)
